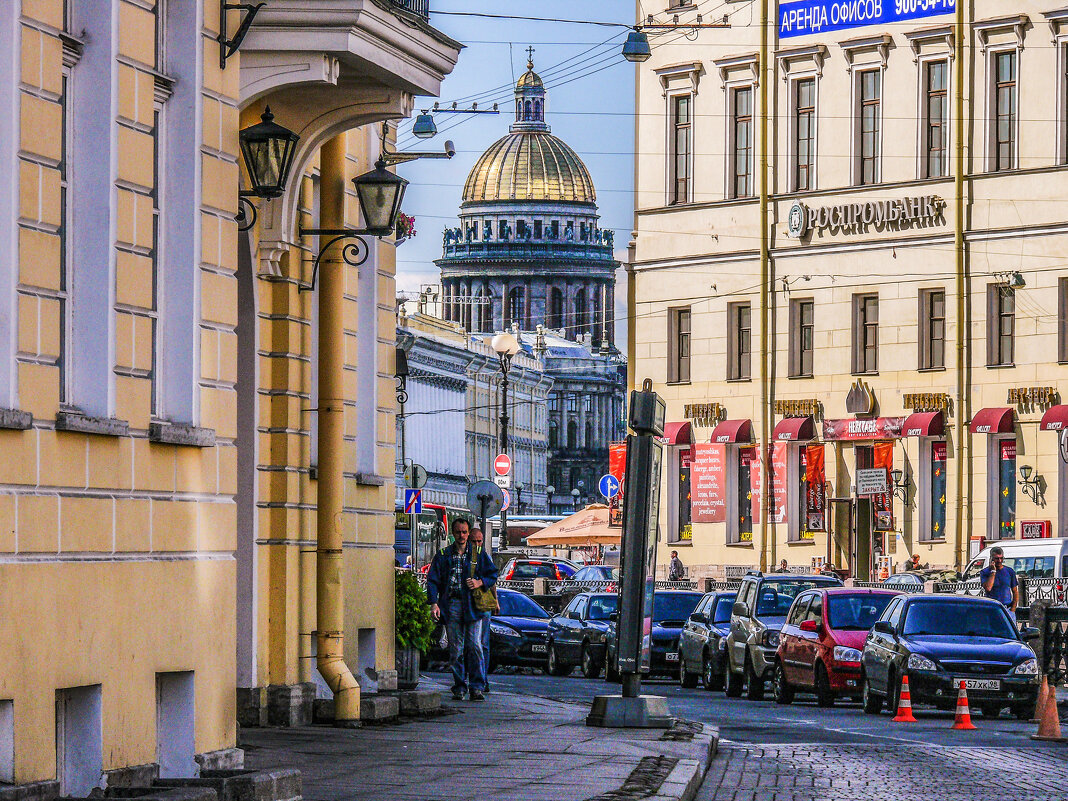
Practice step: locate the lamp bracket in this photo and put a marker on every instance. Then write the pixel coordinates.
(354, 253)
(391, 157)
(227, 47)
(245, 221)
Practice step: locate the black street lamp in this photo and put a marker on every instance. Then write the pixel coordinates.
(549, 490)
(575, 498)
(506, 346)
(267, 149)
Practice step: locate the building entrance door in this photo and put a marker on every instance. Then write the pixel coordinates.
(862, 535)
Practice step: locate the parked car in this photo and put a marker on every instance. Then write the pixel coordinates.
(1032, 558)
(821, 641)
(596, 573)
(578, 635)
(756, 618)
(526, 568)
(517, 634)
(939, 640)
(671, 610)
(703, 641)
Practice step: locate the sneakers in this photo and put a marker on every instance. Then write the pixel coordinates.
(476, 695)
(457, 695)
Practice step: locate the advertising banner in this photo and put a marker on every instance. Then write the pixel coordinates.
(806, 17)
(864, 428)
(815, 488)
(685, 482)
(779, 482)
(748, 488)
(938, 489)
(883, 503)
(708, 482)
(1007, 490)
(617, 466)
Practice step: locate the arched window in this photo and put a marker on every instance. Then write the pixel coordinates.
(589, 435)
(518, 110)
(596, 323)
(537, 111)
(465, 308)
(572, 434)
(556, 308)
(579, 320)
(526, 110)
(554, 437)
(515, 308)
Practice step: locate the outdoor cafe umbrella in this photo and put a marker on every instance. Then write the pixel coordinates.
(586, 527)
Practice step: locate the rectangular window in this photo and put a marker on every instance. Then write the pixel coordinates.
(1000, 324)
(1005, 484)
(802, 333)
(870, 85)
(537, 229)
(936, 118)
(1062, 320)
(805, 134)
(742, 144)
(678, 346)
(741, 527)
(933, 456)
(681, 134)
(67, 132)
(1004, 91)
(932, 329)
(865, 334)
(739, 345)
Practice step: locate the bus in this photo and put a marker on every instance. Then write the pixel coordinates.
(432, 528)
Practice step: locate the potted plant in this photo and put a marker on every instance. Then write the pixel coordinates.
(405, 228)
(413, 628)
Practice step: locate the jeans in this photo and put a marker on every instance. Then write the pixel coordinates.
(465, 650)
(485, 647)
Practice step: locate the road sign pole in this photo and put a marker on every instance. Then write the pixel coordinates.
(486, 536)
(504, 447)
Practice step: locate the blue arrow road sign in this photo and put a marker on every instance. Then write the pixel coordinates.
(608, 485)
(413, 502)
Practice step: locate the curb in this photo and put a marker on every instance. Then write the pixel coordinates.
(687, 776)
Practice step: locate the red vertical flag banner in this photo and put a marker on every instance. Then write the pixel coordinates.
(883, 503)
(816, 488)
(777, 512)
(617, 466)
(754, 481)
(708, 483)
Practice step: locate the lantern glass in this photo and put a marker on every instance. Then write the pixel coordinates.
(268, 149)
(636, 48)
(380, 193)
(425, 127)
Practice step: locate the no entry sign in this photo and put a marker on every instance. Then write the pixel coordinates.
(502, 465)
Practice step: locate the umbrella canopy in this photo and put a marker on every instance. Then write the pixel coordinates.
(586, 527)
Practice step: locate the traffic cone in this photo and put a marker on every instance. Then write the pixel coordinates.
(904, 703)
(1049, 726)
(964, 715)
(1040, 705)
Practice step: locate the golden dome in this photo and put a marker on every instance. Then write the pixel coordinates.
(529, 78)
(529, 165)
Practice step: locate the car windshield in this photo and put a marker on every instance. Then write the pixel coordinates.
(722, 613)
(675, 605)
(602, 606)
(514, 604)
(776, 596)
(533, 570)
(598, 573)
(957, 619)
(855, 612)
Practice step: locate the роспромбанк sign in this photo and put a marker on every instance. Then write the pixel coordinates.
(806, 17)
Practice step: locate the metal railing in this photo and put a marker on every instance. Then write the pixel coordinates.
(1044, 589)
(521, 249)
(878, 585)
(959, 588)
(418, 7)
(1055, 646)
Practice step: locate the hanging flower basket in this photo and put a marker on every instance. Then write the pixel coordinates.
(405, 228)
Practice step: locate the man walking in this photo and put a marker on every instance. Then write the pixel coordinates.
(477, 541)
(676, 569)
(999, 581)
(455, 571)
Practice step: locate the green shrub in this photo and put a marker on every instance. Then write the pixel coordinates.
(414, 625)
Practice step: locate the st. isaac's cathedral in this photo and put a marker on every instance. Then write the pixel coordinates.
(529, 256)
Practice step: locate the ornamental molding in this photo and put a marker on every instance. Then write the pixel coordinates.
(426, 377)
(1017, 24)
(691, 71)
(851, 48)
(749, 62)
(940, 35)
(816, 54)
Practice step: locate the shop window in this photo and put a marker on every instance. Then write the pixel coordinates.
(680, 149)
(680, 519)
(802, 337)
(932, 343)
(1000, 325)
(1001, 483)
(678, 346)
(935, 119)
(932, 489)
(865, 334)
(804, 134)
(741, 148)
(739, 341)
(744, 496)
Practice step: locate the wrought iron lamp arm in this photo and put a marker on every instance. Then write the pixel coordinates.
(354, 253)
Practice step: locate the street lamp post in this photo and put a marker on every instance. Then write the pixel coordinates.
(519, 498)
(575, 498)
(506, 346)
(549, 490)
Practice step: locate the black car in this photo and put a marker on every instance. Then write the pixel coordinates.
(938, 640)
(523, 568)
(595, 573)
(517, 633)
(703, 642)
(671, 610)
(577, 635)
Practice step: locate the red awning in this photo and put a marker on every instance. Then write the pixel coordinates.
(795, 429)
(1055, 419)
(995, 420)
(678, 434)
(733, 431)
(924, 424)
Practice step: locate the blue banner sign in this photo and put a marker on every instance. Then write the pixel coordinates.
(807, 17)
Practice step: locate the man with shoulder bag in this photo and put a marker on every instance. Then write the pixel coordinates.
(458, 574)
(485, 602)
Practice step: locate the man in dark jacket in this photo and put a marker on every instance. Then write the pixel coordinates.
(455, 571)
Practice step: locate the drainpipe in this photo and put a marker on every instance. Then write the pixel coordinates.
(330, 492)
(765, 297)
(632, 303)
(963, 401)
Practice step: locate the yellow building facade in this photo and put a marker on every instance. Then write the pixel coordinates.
(848, 275)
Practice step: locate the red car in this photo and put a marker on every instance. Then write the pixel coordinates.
(821, 642)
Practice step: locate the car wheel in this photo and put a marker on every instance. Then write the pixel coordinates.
(873, 704)
(686, 679)
(893, 693)
(710, 679)
(1025, 712)
(734, 684)
(590, 668)
(754, 684)
(555, 666)
(784, 693)
(990, 710)
(824, 693)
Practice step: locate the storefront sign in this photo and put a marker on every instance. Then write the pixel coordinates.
(1034, 529)
(874, 428)
(1032, 396)
(708, 483)
(871, 482)
(705, 415)
(809, 407)
(777, 511)
(926, 401)
(855, 217)
(806, 17)
(883, 503)
(860, 399)
(815, 489)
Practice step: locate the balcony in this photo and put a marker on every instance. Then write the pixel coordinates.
(528, 251)
(419, 7)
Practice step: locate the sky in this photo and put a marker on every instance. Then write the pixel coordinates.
(590, 106)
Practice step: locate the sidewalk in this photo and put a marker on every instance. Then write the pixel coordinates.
(509, 748)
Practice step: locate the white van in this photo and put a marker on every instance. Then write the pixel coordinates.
(1037, 558)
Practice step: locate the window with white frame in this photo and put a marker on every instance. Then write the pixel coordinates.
(868, 132)
(741, 141)
(803, 99)
(1003, 115)
(681, 148)
(934, 142)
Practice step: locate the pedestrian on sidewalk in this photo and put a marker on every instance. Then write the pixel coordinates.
(914, 563)
(784, 567)
(455, 571)
(478, 540)
(676, 569)
(999, 580)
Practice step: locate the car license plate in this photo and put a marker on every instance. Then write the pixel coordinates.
(672, 656)
(982, 684)
(538, 649)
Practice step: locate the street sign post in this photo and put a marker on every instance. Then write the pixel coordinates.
(507, 500)
(608, 486)
(415, 476)
(484, 499)
(413, 501)
(504, 482)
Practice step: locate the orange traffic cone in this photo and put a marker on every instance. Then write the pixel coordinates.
(1040, 704)
(904, 703)
(1049, 726)
(964, 715)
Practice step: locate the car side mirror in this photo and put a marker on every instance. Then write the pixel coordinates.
(1029, 633)
(883, 627)
(698, 617)
(810, 626)
(740, 609)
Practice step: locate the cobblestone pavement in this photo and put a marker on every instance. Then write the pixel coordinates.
(822, 772)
